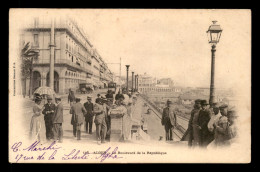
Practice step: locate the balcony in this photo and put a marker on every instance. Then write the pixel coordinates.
(64, 62)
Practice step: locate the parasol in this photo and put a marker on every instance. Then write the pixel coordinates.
(44, 90)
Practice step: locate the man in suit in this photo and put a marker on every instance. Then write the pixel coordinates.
(203, 120)
(89, 106)
(169, 120)
(71, 97)
(193, 131)
(48, 113)
(58, 120)
(77, 110)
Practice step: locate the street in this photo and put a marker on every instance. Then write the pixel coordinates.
(155, 129)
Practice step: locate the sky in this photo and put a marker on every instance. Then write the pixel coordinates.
(171, 43)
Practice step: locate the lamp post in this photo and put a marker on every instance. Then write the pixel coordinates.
(137, 82)
(214, 33)
(132, 81)
(127, 68)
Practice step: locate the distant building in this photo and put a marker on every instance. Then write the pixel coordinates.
(146, 83)
(149, 85)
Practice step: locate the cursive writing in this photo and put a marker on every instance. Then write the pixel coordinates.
(35, 147)
(75, 154)
(107, 155)
(15, 146)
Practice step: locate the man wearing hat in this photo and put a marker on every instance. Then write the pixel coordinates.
(193, 132)
(77, 110)
(169, 120)
(89, 106)
(203, 120)
(48, 113)
(58, 120)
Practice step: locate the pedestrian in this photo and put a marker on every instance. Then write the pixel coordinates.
(232, 127)
(121, 107)
(37, 124)
(107, 103)
(48, 112)
(134, 99)
(78, 111)
(89, 106)
(193, 131)
(221, 132)
(203, 120)
(100, 121)
(58, 120)
(214, 119)
(71, 97)
(169, 120)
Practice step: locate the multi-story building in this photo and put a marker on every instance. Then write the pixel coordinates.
(146, 82)
(75, 59)
(150, 85)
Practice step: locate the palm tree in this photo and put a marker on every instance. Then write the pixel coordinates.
(27, 56)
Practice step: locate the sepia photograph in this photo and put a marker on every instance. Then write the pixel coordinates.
(129, 86)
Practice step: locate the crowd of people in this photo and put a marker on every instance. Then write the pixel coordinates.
(208, 126)
(98, 113)
(211, 126)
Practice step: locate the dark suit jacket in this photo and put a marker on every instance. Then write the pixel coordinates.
(203, 120)
(58, 115)
(89, 108)
(48, 107)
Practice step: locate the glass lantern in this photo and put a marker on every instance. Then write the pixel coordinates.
(214, 33)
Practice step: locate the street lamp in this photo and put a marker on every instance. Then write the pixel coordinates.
(137, 82)
(132, 81)
(214, 33)
(127, 68)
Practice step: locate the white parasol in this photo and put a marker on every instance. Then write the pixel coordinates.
(44, 90)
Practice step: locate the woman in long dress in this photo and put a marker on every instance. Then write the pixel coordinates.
(37, 124)
(127, 121)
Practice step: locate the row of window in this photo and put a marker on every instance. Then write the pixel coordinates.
(157, 89)
(74, 74)
(77, 33)
(72, 81)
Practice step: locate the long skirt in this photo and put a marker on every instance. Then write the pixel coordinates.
(37, 128)
(127, 125)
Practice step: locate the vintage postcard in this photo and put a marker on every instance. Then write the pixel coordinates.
(129, 86)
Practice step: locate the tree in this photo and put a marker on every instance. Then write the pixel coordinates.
(28, 55)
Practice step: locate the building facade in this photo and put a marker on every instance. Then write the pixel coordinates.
(150, 85)
(75, 59)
